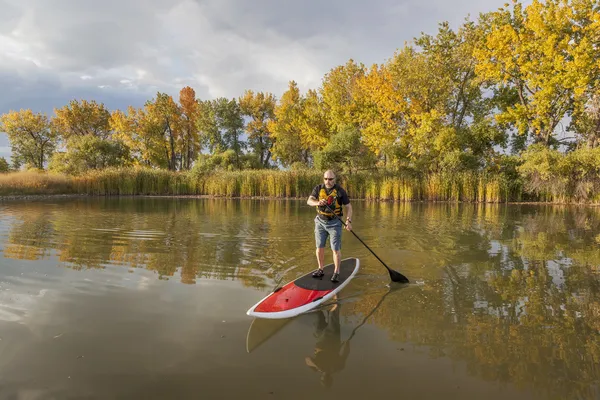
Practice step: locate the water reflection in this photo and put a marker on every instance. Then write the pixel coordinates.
(510, 292)
(330, 352)
(204, 239)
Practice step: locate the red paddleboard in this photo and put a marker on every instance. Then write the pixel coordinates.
(304, 293)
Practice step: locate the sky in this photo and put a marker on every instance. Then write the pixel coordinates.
(121, 52)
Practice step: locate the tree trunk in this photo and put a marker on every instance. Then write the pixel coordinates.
(262, 150)
(172, 144)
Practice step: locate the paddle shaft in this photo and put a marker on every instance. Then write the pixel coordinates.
(355, 235)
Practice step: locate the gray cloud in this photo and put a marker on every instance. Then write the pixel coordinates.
(121, 53)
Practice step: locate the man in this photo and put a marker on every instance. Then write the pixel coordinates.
(328, 225)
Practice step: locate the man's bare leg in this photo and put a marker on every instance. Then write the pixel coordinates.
(337, 260)
(321, 257)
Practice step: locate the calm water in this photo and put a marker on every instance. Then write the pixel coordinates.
(146, 298)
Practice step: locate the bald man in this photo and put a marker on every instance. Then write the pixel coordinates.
(327, 225)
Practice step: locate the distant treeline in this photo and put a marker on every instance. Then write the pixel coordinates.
(481, 105)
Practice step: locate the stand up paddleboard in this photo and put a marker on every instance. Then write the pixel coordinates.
(304, 293)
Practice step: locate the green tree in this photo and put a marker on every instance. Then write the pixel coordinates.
(230, 123)
(210, 134)
(4, 166)
(423, 109)
(90, 152)
(260, 107)
(344, 152)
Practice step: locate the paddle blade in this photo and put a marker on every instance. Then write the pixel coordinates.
(397, 276)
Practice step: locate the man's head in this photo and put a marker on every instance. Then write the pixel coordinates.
(329, 178)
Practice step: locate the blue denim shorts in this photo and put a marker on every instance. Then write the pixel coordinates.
(331, 229)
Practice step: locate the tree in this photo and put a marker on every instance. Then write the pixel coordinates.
(260, 107)
(4, 166)
(382, 118)
(142, 135)
(286, 128)
(315, 132)
(423, 109)
(338, 91)
(89, 152)
(190, 110)
(82, 118)
(586, 121)
(424, 133)
(344, 152)
(162, 125)
(32, 140)
(545, 52)
(210, 135)
(230, 123)
(450, 56)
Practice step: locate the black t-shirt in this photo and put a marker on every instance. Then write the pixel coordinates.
(341, 194)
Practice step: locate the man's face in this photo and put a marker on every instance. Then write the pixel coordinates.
(329, 180)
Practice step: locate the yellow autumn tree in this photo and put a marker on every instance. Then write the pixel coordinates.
(163, 116)
(31, 139)
(189, 138)
(80, 118)
(135, 131)
(286, 128)
(546, 53)
(339, 95)
(315, 132)
(382, 117)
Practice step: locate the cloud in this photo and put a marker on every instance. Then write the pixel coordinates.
(122, 53)
(220, 47)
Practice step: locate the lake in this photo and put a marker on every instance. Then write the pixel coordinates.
(113, 298)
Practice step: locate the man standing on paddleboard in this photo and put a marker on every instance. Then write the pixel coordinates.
(325, 197)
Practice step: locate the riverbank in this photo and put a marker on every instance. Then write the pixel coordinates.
(467, 187)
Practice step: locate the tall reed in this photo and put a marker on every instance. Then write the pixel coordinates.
(400, 186)
(35, 182)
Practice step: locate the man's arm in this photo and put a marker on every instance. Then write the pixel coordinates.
(346, 203)
(312, 199)
(349, 212)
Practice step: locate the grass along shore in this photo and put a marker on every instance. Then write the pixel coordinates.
(456, 187)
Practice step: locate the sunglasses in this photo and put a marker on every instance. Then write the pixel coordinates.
(329, 179)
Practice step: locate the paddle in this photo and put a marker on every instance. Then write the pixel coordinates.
(394, 275)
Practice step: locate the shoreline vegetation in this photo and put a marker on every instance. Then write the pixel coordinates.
(505, 108)
(275, 184)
